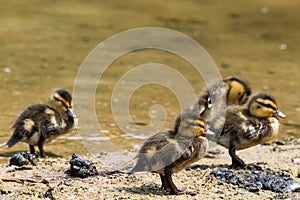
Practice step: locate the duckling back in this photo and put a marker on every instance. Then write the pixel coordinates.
(153, 151)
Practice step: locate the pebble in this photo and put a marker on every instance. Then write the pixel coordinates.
(296, 160)
(23, 158)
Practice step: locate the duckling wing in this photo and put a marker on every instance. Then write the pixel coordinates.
(37, 122)
(158, 152)
(246, 133)
(235, 126)
(262, 130)
(252, 131)
(192, 153)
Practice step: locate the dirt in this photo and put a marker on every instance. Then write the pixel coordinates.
(44, 43)
(51, 178)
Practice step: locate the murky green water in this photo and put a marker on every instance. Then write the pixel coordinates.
(42, 47)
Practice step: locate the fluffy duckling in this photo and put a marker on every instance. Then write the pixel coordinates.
(41, 123)
(213, 102)
(235, 90)
(248, 126)
(169, 152)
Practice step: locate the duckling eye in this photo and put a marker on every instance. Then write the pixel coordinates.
(61, 102)
(209, 101)
(267, 105)
(258, 106)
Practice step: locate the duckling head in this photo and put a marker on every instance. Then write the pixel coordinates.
(237, 91)
(61, 99)
(190, 124)
(212, 99)
(262, 105)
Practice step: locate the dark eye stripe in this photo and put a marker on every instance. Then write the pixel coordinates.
(195, 124)
(267, 105)
(228, 92)
(63, 103)
(241, 97)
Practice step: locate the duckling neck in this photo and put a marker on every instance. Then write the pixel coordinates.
(68, 120)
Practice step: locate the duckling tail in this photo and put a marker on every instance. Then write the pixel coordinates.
(130, 173)
(12, 141)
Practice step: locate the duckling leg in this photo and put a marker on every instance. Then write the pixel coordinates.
(32, 150)
(173, 189)
(236, 161)
(170, 183)
(41, 148)
(42, 141)
(164, 184)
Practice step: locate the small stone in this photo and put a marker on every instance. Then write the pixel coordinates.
(49, 193)
(23, 158)
(67, 183)
(72, 197)
(90, 190)
(296, 160)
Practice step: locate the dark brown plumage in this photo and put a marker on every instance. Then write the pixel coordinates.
(168, 152)
(41, 123)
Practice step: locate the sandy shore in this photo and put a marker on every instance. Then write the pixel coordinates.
(50, 180)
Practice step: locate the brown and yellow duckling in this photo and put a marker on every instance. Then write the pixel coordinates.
(41, 123)
(237, 91)
(250, 125)
(213, 101)
(169, 152)
(232, 89)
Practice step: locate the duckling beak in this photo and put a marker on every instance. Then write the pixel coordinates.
(71, 113)
(209, 132)
(209, 105)
(280, 114)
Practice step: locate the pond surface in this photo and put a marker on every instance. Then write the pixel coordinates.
(43, 46)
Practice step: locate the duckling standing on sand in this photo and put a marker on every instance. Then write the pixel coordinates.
(168, 152)
(41, 123)
(248, 126)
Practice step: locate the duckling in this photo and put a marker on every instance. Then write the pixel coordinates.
(168, 152)
(213, 102)
(235, 90)
(250, 125)
(40, 123)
